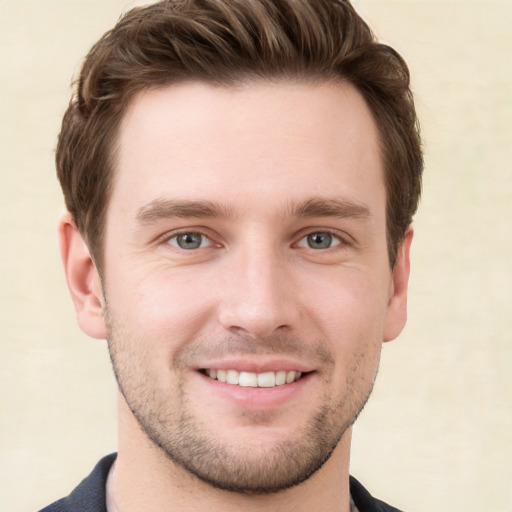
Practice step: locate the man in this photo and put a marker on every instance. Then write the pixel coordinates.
(240, 178)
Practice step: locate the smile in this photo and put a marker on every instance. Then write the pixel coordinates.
(254, 380)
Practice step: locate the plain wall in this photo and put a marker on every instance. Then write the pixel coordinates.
(437, 433)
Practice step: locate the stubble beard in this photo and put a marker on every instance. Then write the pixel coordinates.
(184, 438)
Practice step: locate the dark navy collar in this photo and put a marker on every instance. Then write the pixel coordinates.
(90, 496)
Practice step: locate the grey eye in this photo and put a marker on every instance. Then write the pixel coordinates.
(319, 240)
(188, 241)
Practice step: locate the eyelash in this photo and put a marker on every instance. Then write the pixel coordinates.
(334, 234)
(325, 231)
(174, 236)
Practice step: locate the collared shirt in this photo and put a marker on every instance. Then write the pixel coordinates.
(111, 502)
(92, 494)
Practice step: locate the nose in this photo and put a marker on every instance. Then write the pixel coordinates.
(258, 298)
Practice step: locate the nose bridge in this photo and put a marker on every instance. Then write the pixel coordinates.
(259, 297)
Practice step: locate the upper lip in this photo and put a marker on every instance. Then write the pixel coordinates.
(256, 366)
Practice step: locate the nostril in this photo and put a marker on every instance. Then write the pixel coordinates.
(259, 331)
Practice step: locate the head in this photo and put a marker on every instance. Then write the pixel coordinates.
(228, 43)
(244, 175)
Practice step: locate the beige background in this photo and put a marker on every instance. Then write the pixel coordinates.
(437, 434)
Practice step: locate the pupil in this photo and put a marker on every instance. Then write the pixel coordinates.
(189, 241)
(320, 240)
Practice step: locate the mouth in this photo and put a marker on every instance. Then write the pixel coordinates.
(253, 380)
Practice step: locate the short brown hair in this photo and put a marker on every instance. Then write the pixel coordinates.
(228, 42)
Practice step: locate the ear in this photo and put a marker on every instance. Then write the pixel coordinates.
(82, 277)
(397, 306)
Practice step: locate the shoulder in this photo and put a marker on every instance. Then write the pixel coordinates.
(365, 502)
(89, 495)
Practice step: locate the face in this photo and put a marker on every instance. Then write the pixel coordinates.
(246, 281)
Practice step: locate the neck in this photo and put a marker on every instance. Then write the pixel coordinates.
(144, 479)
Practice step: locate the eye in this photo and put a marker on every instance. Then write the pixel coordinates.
(189, 241)
(319, 240)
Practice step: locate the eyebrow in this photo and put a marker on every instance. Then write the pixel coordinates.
(329, 207)
(160, 209)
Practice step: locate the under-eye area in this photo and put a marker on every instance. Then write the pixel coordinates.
(254, 380)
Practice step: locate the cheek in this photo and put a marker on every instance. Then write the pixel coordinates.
(160, 306)
(350, 314)
(349, 306)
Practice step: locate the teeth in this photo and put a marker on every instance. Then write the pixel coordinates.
(248, 379)
(254, 380)
(280, 378)
(266, 380)
(232, 376)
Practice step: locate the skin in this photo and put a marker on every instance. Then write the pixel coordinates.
(257, 174)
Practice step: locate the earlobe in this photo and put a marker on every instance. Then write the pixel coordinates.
(82, 277)
(397, 306)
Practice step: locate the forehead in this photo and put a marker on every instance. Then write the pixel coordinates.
(279, 141)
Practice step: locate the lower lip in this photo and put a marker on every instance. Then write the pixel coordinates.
(257, 398)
